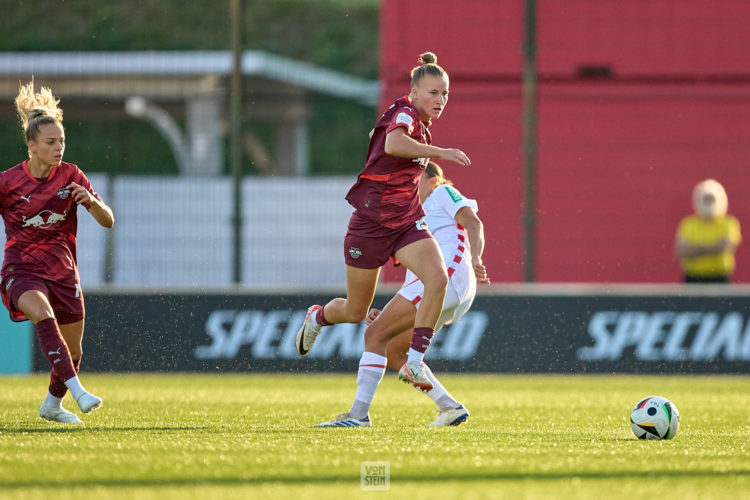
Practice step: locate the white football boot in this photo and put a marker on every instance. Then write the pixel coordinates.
(307, 333)
(58, 415)
(347, 420)
(453, 416)
(412, 373)
(88, 402)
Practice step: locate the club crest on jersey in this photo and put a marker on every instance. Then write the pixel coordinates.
(63, 193)
(355, 252)
(43, 220)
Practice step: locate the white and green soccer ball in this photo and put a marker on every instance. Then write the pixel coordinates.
(655, 417)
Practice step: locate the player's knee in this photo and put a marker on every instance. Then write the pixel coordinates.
(375, 337)
(437, 282)
(40, 314)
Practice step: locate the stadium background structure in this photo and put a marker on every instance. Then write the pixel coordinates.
(636, 102)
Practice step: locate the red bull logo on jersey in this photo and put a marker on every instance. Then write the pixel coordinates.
(44, 219)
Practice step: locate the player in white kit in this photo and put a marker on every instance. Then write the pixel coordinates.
(458, 231)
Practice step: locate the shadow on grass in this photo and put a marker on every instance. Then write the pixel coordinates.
(395, 479)
(83, 428)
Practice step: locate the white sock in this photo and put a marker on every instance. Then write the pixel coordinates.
(370, 373)
(75, 387)
(52, 401)
(438, 394)
(415, 356)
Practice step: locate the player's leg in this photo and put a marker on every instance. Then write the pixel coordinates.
(396, 316)
(360, 292)
(52, 408)
(72, 333)
(397, 349)
(423, 258)
(35, 305)
(451, 412)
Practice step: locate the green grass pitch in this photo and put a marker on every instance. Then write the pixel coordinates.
(252, 436)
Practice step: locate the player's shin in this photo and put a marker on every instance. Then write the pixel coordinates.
(420, 341)
(439, 394)
(369, 375)
(57, 387)
(54, 348)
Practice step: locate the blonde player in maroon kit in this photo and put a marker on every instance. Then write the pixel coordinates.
(388, 222)
(39, 279)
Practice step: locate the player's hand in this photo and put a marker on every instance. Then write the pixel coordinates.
(374, 313)
(80, 193)
(456, 156)
(480, 271)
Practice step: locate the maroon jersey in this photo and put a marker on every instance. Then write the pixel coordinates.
(41, 222)
(386, 190)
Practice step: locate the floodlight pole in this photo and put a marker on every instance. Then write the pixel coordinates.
(529, 140)
(235, 134)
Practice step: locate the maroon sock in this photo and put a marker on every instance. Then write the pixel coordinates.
(54, 348)
(57, 385)
(320, 317)
(420, 339)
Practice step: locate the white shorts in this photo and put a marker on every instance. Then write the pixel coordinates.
(462, 288)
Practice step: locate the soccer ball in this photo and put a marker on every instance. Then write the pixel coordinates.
(655, 417)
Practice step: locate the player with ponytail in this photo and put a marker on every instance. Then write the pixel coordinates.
(388, 223)
(39, 280)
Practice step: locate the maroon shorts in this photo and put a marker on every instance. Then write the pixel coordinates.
(369, 245)
(66, 299)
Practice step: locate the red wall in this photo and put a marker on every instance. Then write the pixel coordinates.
(617, 157)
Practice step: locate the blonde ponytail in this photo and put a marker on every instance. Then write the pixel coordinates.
(36, 109)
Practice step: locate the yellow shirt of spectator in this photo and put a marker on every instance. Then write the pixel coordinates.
(698, 231)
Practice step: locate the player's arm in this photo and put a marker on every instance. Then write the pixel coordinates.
(399, 144)
(97, 208)
(468, 218)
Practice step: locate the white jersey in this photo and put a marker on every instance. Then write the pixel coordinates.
(440, 211)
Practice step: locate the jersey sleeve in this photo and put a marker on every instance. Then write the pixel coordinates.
(80, 178)
(451, 200)
(406, 117)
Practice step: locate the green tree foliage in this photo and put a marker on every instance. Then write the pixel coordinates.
(337, 34)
